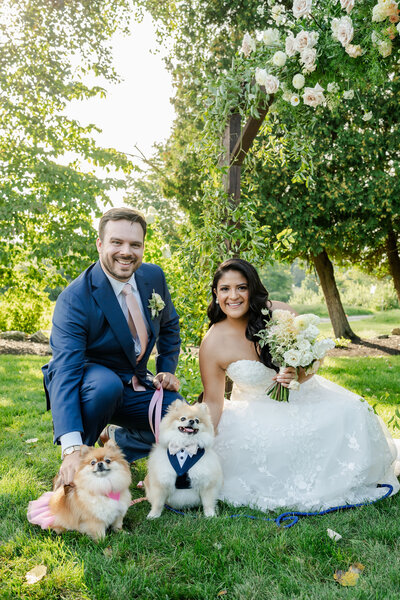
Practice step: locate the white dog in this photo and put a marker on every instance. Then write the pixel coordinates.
(183, 469)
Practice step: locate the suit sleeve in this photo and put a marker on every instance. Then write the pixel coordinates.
(169, 341)
(65, 371)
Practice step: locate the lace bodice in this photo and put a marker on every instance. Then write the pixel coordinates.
(250, 377)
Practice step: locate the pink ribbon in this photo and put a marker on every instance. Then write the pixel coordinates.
(155, 408)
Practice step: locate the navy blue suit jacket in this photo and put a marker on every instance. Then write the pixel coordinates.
(89, 326)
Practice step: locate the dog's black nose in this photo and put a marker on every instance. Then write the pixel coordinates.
(191, 422)
(100, 466)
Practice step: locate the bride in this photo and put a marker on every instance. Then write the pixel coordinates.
(323, 448)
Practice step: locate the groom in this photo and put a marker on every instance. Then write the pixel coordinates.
(102, 336)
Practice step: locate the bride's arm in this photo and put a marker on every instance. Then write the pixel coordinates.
(213, 378)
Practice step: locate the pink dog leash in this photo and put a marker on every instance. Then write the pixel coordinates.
(155, 408)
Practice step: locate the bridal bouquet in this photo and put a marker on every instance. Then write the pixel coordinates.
(293, 342)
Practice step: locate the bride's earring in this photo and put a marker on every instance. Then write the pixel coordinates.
(216, 301)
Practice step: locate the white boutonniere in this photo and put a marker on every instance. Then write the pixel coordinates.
(156, 304)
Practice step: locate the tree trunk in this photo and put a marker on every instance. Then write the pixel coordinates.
(394, 259)
(337, 315)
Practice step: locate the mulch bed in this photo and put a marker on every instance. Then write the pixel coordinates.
(373, 347)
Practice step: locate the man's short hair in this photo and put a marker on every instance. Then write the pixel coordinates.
(122, 214)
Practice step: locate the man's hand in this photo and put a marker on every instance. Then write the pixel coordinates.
(168, 381)
(68, 469)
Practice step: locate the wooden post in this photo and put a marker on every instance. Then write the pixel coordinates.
(236, 145)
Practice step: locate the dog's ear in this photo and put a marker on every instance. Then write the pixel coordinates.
(68, 487)
(84, 450)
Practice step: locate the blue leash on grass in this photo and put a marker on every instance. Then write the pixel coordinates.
(293, 516)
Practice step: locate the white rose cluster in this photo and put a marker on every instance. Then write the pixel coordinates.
(270, 82)
(294, 340)
(386, 9)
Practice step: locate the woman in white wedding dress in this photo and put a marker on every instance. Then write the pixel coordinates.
(323, 448)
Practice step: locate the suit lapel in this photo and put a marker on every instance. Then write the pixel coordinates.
(106, 299)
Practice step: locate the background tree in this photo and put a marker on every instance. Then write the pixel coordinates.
(50, 185)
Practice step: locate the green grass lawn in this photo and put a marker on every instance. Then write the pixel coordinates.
(185, 557)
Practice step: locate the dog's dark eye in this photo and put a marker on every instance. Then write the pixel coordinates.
(196, 421)
(107, 461)
(93, 462)
(183, 418)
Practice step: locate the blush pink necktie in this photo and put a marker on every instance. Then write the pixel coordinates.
(135, 321)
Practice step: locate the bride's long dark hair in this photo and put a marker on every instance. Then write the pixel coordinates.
(258, 299)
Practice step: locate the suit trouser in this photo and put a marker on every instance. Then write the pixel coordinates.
(106, 399)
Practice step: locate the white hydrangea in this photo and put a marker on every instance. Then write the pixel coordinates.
(367, 116)
(348, 94)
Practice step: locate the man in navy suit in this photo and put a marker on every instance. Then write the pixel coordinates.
(98, 372)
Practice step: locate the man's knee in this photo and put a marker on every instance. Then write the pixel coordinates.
(101, 387)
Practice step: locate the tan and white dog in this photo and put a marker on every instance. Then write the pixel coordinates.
(98, 498)
(183, 470)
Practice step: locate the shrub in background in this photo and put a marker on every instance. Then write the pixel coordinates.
(25, 310)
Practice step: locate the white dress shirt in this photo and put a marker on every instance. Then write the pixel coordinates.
(74, 438)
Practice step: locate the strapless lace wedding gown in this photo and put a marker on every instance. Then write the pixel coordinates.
(323, 448)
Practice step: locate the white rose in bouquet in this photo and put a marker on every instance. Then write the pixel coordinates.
(292, 341)
(311, 333)
(292, 357)
(306, 359)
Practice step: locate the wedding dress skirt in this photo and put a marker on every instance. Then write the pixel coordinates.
(323, 448)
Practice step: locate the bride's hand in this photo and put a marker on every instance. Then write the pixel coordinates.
(285, 376)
